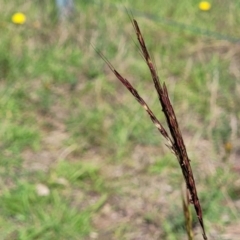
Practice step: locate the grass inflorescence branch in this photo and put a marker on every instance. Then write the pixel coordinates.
(174, 141)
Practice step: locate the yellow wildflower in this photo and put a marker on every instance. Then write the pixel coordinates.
(18, 18)
(228, 147)
(204, 6)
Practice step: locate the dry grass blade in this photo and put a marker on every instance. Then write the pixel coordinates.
(175, 142)
(179, 146)
(187, 213)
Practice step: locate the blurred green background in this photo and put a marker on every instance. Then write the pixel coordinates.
(79, 157)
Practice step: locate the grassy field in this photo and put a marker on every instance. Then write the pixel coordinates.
(79, 157)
